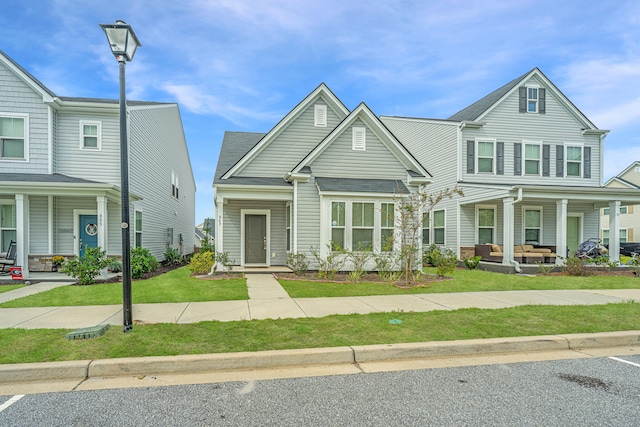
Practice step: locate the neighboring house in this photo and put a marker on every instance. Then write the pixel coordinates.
(528, 161)
(205, 232)
(629, 215)
(60, 173)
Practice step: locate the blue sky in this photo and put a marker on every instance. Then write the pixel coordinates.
(242, 65)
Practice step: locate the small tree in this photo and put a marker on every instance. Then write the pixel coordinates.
(87, 267)
(205, 243)
(413, 209)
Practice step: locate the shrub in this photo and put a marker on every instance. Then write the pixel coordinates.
(427, 254)
(544, 268)
(331, 264)
(114, 266)
(142, 262)
(298, 263)
(87, 267)
(472, 263)
(575, 266)
(445, 262)
(223, 258)
(386, 265)
(202, 262)
(172, 256)
(358, 260)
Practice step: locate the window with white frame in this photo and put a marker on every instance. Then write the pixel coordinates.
(320, 115)
(90, 135)
(605, 236)
(438, 227)
(532, 154)
(532, 225)
(175, 185)
(426, 228)
(359, 138)
(486, 156)
(338, 224)
(623, 210)
(13, 143)
(486, 220)
(7, 225)
(288, 224)
(387, 223)
(362, 224)
(532, 99)
(574, 160)
(138, 228)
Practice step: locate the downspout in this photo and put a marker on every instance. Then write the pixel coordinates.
(518, 199)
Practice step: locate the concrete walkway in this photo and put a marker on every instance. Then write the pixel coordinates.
(268, 300)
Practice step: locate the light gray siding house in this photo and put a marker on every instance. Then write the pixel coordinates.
(60, 173)
(529, 163)
(322, 174)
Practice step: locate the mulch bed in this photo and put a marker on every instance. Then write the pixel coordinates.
(343, 278)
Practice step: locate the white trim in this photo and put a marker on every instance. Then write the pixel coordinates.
(288, 226)
(524, 158)
(524, 224)
(626, 234)
(494, 208)
(566, 159)
(81, 141)
(50, 143)
(432, 234)
(294, 218)
(536, 99)
(50, 224)
(76, 227)
(267, 214)
(25, 117)
(580, 217)
(477, 156)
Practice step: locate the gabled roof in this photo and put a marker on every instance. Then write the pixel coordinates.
(321, 91)
(363, 112)
(23, 74)
(235, 145)
(480, 108)
(361, 185)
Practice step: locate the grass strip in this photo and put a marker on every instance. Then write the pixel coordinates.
(46, 345)
(7, 288)
(463, 281)
(175, 286)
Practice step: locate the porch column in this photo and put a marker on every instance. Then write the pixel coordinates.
(614, 231)
(22, 233)
(561, 231)
(219, 227)
(50, 224)
(507, 230)
(102, 222)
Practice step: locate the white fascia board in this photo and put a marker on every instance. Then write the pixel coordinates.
(350, 195)
(262, 193)
(627, 169)
(292, 115)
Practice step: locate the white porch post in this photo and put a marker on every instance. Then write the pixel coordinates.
(22, 233)
(561, 231)
(614, 231)
(507, 230)
(102, 222)
(50, 224)
(294, 219)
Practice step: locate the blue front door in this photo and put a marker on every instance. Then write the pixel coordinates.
(88, 232)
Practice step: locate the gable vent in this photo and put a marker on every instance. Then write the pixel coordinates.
(359, 139)
(320, 115)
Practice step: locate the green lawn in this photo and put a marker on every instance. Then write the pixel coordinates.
(7, 288)
(463, 281)
(174, 286)
(46, 345)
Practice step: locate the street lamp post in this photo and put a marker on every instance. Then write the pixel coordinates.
(123, 43)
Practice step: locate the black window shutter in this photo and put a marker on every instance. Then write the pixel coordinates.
(542, 100)
(587, 162)
(523, 99)
(560, 160)
(471, 158)
(546, 160)
(500, 158)
(517, 158)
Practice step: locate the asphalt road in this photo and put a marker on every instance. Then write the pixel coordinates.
(579, 392)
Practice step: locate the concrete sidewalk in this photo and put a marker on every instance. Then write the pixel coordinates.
(268, 300)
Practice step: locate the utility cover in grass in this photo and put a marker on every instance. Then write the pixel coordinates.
(90, 332)
(395, 322)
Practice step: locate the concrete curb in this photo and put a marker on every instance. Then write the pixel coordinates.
(190, 364)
